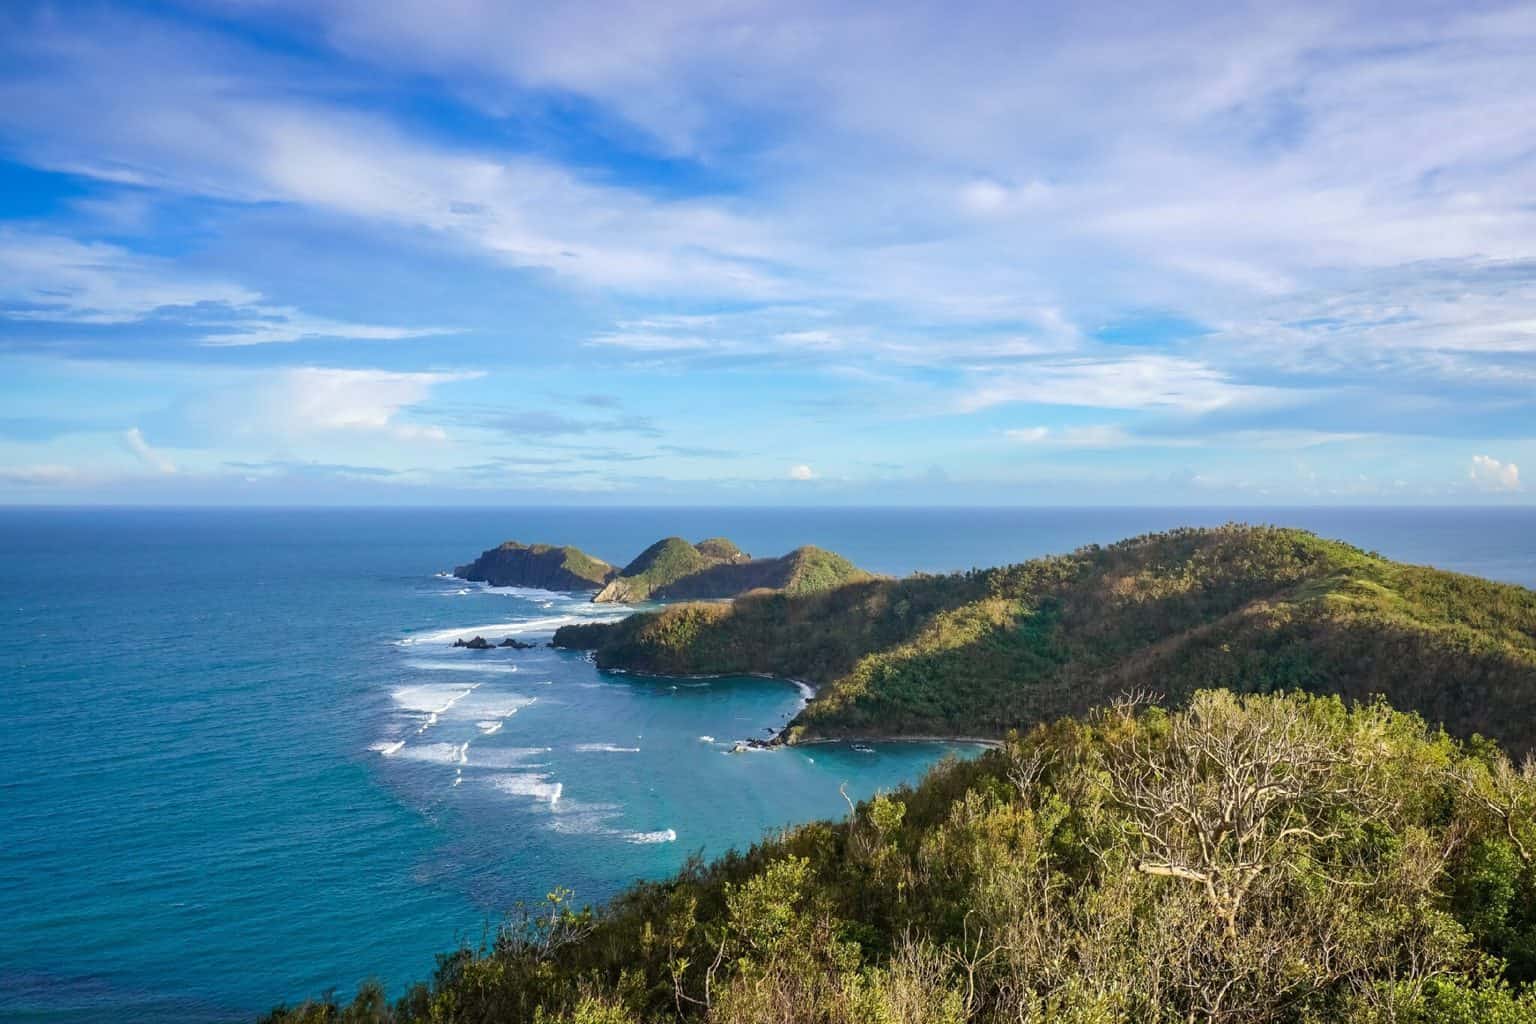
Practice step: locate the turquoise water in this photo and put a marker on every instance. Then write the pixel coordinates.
(242, 764)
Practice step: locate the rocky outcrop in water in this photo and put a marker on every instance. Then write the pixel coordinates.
(479, 643)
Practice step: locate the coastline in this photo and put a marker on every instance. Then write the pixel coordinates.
(808, 691)
(978, 741)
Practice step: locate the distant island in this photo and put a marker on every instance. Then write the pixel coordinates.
(670, 569)
(976, 654)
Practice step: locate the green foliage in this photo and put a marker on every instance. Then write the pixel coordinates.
(1252, 608)
(716, 568)
(1251, 859)
(537, 565)
(720, 548)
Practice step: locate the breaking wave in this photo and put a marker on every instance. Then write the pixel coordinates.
(665, 835)
(479, 666)
(531, 784)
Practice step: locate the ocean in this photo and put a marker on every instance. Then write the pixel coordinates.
(242, 762)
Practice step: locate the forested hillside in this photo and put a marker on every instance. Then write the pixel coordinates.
(1256, 609)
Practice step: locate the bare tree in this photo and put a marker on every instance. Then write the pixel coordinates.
(1225, 796)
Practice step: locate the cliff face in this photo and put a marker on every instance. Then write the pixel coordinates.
(1249, 608)
(541, 566)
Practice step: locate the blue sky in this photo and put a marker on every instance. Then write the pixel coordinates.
(277, 251)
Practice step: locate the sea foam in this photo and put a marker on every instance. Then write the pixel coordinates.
(545, 624)
(478, 666)
(665, 835)
(436, 753)
(532, 784)
(431, 699)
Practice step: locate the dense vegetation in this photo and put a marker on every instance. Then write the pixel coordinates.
(545, 566)
(667, 561)
(670, 569)
(1259, 859)
(673, 569)
(978, 653)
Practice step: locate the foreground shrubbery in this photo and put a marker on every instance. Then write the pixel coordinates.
(1248, 859)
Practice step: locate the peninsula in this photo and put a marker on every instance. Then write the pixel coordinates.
(983, 652)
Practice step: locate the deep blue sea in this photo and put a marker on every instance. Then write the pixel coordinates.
(241, 763)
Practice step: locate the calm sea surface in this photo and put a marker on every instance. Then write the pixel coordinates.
(241, 763)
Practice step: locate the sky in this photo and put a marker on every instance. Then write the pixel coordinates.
(476, 251)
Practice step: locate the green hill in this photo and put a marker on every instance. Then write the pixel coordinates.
(673, 569)
(670, 569)
(1251, 608)
(665, 562)
(543, 566)
(1249, 860)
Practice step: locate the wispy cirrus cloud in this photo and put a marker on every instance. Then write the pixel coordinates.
(51, 278)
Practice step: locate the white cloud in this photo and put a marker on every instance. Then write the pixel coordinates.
(801, 472)
(1489, 474)
(316, 403)
(133, 438)
(1137, 382)
(266, 325)
(1028, 434)
(43, 475)
(50, 277)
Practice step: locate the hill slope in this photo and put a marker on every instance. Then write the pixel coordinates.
(666, 562)
(543, 566)
(1253, 608)
(673, 569)
(1251, 860)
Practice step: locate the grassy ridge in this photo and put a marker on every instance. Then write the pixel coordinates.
(978, 653)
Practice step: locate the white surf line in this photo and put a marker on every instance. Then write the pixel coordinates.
(665, 835)
(432, 716)
(544, 624)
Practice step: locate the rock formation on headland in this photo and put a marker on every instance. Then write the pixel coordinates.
(671, 568)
